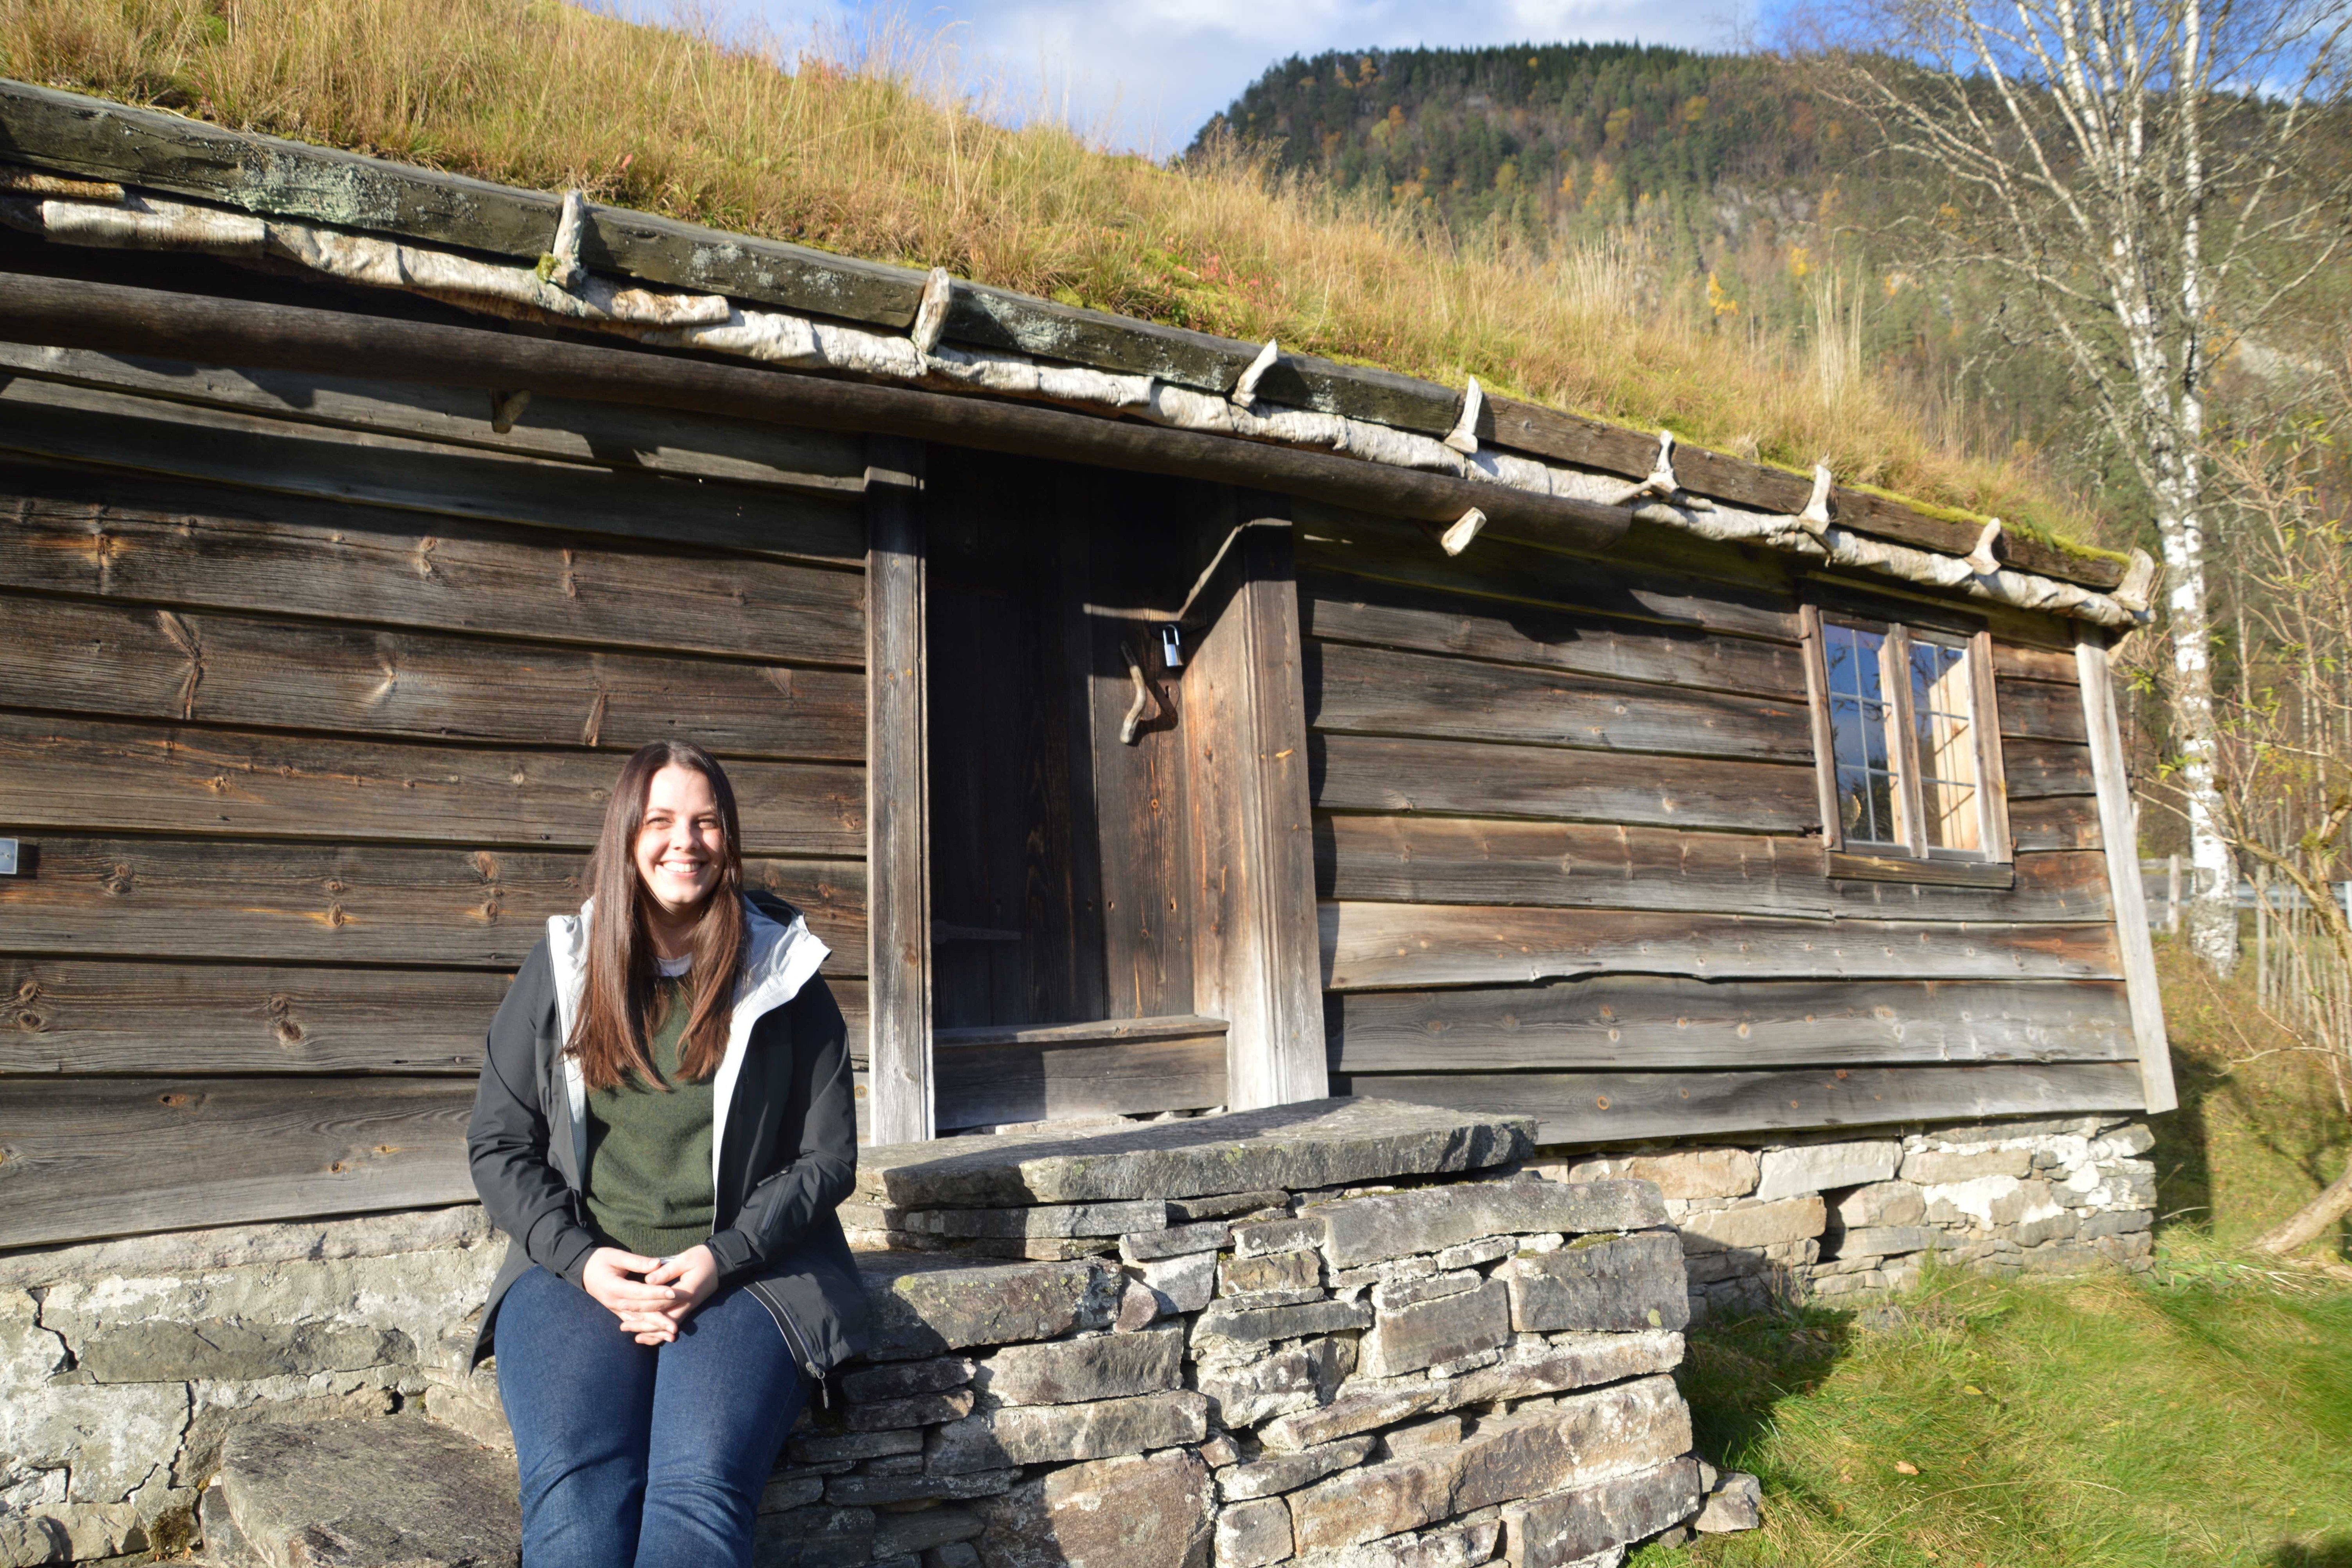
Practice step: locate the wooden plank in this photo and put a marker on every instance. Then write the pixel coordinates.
(160, 898)
(904, 1095)
(2120, 828)
(1255, 949)
(1466, 778)
(2055, 821)
(139, 663)
(2039, 768)
(1817, 714)
(981, 1086)
(1143, 846)
(1370, 690)
(1101, 1032)
(608, 435)
(187, 780)
(43, 419)
(83, 1158)
(2040, 709)
(2022, 661)
(1646, 1021)
(1339, 608)
(130, 537)
(1604, 1107)
(1388, 550)
(1842, 863)
(1443, 861)
(2049, 887)
(1395, 946)
(61, 1015)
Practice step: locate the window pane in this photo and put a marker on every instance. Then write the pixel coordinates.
(1944, 712)
(1861, 735)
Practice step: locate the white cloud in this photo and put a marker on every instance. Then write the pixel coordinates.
(1144, 75)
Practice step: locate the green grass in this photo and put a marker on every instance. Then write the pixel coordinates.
(2202, 1414)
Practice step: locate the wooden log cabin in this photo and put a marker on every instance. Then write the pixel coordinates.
(1124, 706)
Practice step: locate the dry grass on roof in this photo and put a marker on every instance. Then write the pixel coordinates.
(873, 159)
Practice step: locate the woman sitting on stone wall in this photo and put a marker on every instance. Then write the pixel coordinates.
(663, 1130)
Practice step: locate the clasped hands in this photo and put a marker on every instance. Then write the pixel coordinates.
(651, 1295)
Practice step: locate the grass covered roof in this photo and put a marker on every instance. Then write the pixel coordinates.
(877, 158)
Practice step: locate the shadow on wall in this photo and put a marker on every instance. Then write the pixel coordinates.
(2335, 1552)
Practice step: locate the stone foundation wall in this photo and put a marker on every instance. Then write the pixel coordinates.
(1363, 1335)
(124, 1364)
(1830, 1217)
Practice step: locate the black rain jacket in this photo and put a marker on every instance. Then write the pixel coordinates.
(784, 1140)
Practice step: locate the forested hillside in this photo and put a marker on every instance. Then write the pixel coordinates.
(1720, 187)
(1539, 140)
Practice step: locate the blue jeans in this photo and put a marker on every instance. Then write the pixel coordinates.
(641, 1457)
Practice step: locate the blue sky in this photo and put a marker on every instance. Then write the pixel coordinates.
(1142, 75)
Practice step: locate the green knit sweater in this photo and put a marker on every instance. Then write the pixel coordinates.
(649, 1149)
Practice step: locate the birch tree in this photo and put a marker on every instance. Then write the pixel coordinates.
(2144, 186)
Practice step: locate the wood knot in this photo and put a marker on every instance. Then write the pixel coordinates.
(336, 917)
(119, 880)
(488, 912)
(288, 1032)
(31, 1023)
(485, 863)
(337, 1168)
(336, 887)
(30, 992)
(175, 1101)
(1601, 1102)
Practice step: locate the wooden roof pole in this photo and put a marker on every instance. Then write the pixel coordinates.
(204, 330)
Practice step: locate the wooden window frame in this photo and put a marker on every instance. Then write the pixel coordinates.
(1913, 860)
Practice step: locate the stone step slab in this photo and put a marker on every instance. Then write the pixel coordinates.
(1053, 1220)
(1621, 1283)
(1217, 1330)
(1296, 1378)
(1447, 1328)
(1581, 1362)
(1818, 1167)
(1571, 1526)
(925, 1304)
(1253, 1534)
(1157, 1511)
(1587, 1436)
(361, 1494)
(1360, 1231)
(1068, 1372)
(906, 1379)
(1043, 1434)
(1290, 1148)
(814, 1537)
(1278, 1473)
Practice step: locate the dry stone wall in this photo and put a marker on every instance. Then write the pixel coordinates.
(1834, 1218)
(1337, 1335)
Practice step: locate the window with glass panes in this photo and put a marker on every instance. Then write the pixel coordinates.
(1906, 729)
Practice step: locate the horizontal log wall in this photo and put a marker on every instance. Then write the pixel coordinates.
(1569, 859)
(311, 694)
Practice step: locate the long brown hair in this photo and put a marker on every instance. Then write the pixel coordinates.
(611, 1037)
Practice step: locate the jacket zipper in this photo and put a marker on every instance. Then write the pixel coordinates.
(794, 1340)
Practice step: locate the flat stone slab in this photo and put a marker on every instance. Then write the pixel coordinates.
(1286, 1148)
(364, 1494)
(926, 1303)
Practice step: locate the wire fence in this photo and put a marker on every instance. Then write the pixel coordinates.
(2299, 978)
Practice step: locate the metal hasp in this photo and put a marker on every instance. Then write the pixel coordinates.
(7, 856)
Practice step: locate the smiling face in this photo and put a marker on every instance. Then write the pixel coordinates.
(682, 843)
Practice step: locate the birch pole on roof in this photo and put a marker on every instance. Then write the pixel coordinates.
(2138, 174)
